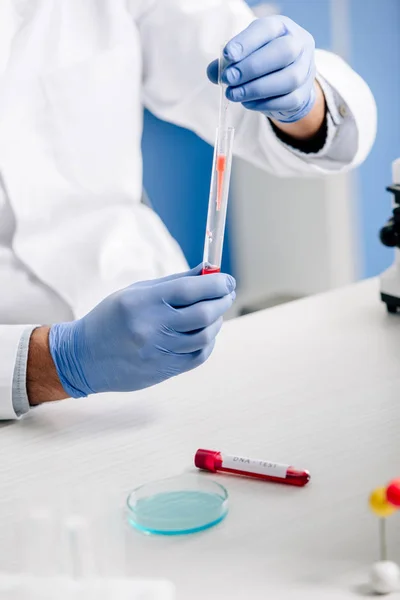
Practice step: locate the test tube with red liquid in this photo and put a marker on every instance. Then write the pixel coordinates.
(219, 188)
(215, 461)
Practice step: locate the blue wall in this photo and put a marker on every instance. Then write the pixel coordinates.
(376, 56)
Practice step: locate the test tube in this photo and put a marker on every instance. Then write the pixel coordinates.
(217, 205)
(79, 551)
(219, 188)
(216, 461)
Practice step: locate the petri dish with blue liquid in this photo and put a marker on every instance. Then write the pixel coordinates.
(177, 506)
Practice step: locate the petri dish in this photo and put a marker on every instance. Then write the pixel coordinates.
(176, 506)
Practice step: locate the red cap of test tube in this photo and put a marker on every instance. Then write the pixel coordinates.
(208, 460)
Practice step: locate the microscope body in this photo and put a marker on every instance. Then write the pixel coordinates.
(390, 236)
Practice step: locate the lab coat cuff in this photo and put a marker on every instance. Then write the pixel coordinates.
(19, 392)
(10, 339)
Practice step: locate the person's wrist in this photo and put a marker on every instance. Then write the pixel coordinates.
(65, 341)
(42, 381)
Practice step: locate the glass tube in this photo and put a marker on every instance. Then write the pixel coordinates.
(218, 201)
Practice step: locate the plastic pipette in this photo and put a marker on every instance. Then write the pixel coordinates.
(220, 180)
(221, 134)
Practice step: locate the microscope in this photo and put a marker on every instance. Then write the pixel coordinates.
(390, 236)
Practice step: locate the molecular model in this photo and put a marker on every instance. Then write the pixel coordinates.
(385, 574)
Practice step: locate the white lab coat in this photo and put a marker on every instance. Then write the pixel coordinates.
(74, 76)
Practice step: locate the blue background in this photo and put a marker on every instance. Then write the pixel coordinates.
(177, 181)
(375, 54)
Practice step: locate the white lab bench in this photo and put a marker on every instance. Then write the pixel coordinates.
(315, 383)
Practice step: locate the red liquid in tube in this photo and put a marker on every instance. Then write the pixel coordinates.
(208, 270)
(221, 166)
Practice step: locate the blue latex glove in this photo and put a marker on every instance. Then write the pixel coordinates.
(271, 69)
(142, 335)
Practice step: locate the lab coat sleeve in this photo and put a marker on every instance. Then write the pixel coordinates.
(181, 37)
(12, 344)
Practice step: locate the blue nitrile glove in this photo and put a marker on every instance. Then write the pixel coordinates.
(142, 335)
(271, 69)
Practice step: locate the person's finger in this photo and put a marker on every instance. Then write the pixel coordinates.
(276, 55)
(274, 85)
(201, 315)
(187, 343)
(191, 290)
(287, 103)
(191, 273)
(256, 35)
(213, 71)
(194, 360)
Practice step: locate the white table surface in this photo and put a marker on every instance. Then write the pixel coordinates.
(315, 383)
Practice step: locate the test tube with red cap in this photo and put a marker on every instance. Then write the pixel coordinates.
(219, 188)
(215, 461)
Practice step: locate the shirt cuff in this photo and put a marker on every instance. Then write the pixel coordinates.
(19, 392)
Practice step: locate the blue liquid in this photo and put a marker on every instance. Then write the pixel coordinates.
(177, 513)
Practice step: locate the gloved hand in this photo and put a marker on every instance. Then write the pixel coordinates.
(142, 335)
(271, 69)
